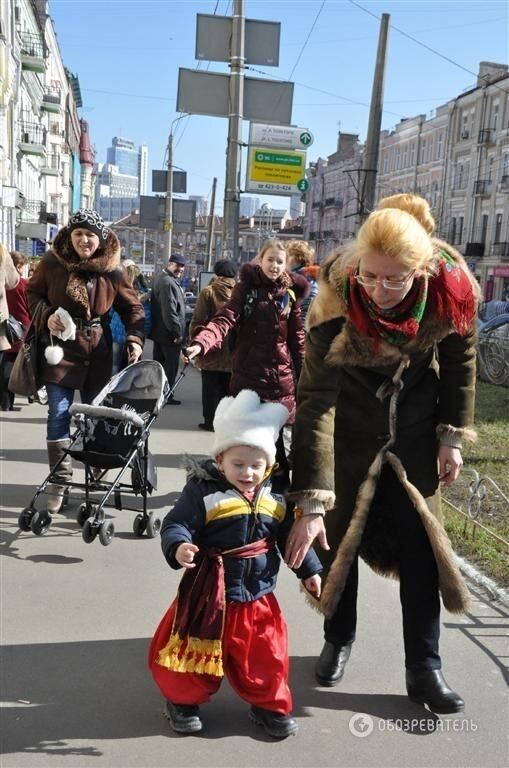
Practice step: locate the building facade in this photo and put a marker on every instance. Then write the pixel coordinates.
(333, 196)
(40, 171)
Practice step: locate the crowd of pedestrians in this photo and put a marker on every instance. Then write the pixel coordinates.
(369, 358)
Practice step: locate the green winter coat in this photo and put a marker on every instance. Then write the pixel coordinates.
(358, 407)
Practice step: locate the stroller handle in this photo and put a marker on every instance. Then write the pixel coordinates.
(102, 411)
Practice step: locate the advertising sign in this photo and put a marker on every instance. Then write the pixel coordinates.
(275, 172)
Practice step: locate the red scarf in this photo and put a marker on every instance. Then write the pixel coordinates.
(195, 643)
(449, 297)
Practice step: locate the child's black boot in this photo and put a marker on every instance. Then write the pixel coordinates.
(183, 718)
(276, 725)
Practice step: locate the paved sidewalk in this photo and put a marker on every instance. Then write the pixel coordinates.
(76, 620)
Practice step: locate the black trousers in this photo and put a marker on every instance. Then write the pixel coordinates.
(169, 356)
(214, 386)
(418, 591)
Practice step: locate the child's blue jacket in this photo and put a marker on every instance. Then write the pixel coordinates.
(212, 513)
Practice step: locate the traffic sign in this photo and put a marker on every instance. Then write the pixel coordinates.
(303, 185)
(280, 136)
(274, 171)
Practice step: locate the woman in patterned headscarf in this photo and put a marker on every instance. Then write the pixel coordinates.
(82, 274)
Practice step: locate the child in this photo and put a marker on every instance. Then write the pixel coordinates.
(228, 530)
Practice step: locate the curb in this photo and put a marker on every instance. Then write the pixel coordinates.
(493, 590)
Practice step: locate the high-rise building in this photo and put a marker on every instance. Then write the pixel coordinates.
(249, 206)
(122, 179)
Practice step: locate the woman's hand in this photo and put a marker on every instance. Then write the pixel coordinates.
(189, 352)
(449, 464)
(302, 534)
(134, 351)
(185, 555)
(55, 325)
(313, 585)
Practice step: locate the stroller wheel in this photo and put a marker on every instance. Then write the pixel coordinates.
(153, 526)
(83, 514)
(106, 533)
(139, 525)
(90, 530)
(25, 519)
(40, 522)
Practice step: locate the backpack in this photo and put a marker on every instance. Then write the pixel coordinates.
(247, 310)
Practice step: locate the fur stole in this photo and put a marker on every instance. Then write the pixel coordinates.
(105, 259)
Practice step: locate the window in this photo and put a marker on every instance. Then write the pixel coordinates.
(438, 146)
(412, 153)
(494, 114)
(459, 230)
(498, 227)
(464, 126)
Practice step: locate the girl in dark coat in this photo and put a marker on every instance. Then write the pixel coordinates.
(269, 349)
(82, 275)
(385, 399)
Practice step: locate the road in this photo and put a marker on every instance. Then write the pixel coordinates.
(76, 621)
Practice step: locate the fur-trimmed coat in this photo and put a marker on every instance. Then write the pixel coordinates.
(269, 349)
(363, 403)
(87, 293)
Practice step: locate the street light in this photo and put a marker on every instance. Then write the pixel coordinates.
(168, 207)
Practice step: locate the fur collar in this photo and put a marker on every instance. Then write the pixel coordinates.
(104, 260)
(252, 274)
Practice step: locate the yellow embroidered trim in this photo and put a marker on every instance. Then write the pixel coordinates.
(192, 654)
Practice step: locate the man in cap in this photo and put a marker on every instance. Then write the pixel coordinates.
(169, 318)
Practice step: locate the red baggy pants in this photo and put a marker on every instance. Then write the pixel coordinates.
(255, 658)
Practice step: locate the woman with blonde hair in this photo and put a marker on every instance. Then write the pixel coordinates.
(385, 398)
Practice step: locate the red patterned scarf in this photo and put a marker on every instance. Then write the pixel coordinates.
(195, 643)
(448, 295)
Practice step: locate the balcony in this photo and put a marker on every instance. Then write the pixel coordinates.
(482, 187)
(51, 165)
(486, 136)
(51, 99)
(502, 250)
(32, 139)
(475, 249)
(33, 52)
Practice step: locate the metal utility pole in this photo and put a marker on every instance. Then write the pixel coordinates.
(168, 206)
(233, 154)
(371, 148)
(210, 229)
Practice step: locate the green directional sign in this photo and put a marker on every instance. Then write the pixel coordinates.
(303, 185)
(306, 138)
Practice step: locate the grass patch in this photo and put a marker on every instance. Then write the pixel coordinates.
(489, 456)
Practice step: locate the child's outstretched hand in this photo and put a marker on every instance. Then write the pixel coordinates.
(185, 555)
(313, 585)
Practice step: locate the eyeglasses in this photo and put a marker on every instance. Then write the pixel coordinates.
(389, 285)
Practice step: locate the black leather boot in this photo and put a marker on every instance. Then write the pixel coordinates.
(183, 718)
(427, 686)
(276, 725)
(331, 663)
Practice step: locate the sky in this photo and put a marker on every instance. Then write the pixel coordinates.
(127, 54)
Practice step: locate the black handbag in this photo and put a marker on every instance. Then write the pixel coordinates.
(14, 330)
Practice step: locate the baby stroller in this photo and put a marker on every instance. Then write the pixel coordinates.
(112, 434)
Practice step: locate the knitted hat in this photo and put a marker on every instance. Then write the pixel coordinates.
(85, 218)
(244, 420)
(225, 268)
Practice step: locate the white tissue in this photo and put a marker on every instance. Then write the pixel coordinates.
(69, 331)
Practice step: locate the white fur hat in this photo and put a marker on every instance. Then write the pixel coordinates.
(244, 420)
